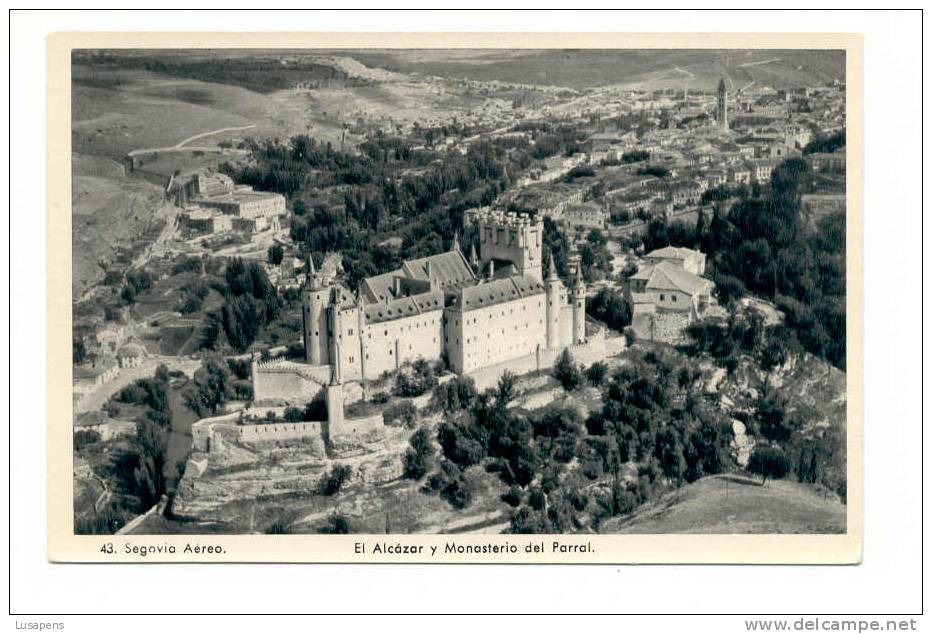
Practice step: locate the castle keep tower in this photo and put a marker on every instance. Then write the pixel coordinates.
(721, 113)
(515, 238)
(578, 300)
(553, 288)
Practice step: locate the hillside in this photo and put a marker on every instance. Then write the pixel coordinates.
(651, 69)
(734, 504)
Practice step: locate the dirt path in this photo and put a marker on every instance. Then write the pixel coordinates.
(212, 132)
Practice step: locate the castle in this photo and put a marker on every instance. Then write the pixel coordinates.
(471, 312)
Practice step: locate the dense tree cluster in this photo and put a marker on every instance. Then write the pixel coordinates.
(635, 156)
(610, 308)
(768, 246)
(826, 144)
(151, 393)
(137, 281)
(416, 380)
(250, 302)
(213, 385)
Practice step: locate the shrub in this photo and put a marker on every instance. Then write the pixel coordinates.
(404, 413)
(513, 496)
(293, 415)
(419, 456)
(449, 482)
(335, 480)
(337, 524)
(416, 381)
(85, 437)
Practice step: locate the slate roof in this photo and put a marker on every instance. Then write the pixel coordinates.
(448, 271)
(497, 291)
(667, 276)
(403, 307)
(672, 252)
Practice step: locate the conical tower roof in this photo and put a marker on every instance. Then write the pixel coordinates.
(552, 266)
(579, 283)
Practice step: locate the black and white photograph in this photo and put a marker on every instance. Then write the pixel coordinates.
(318, 314)
(462, 291)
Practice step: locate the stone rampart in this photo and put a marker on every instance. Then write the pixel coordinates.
(596, 348)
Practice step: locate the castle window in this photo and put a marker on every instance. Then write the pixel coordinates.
(350, 333)
(351, 360)
(661, 297)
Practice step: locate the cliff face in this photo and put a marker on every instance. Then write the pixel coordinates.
(242, 482)
(810, 387)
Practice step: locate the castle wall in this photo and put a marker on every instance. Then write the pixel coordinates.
(279, 431)
(272, 385)
(597, 348)
(389, 344)
(565, 326)
(665, 327)
(356, 428)
(498, 333)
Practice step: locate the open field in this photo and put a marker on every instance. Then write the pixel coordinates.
(116, 111)
(734, 504)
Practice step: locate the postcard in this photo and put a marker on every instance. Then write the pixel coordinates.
(467, 298)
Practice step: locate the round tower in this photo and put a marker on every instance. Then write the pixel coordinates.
(315, 301)
(578, 299)
(553, 287)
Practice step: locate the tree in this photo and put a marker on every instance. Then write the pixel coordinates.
(596, 373)
(769, 462)
(566, 372)
(212, 387)
(609, 307)
(276, 254)
(419, 457)
(456, 395)
(772, 420)
(78, 350)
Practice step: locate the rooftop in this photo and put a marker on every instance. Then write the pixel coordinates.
(497, 291)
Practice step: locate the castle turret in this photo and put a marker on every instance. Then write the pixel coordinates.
(553, 288)
(333, 394)
(474, 260)
(578, 300)
(316, 301)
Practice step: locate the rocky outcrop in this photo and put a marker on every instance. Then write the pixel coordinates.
(234, 483)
